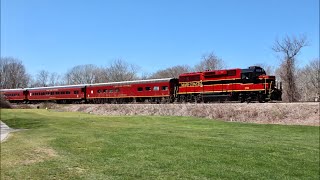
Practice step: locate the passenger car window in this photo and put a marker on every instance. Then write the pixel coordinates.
(164, 88)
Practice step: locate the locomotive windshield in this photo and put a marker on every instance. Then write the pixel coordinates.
(253, 72)
(259, 71)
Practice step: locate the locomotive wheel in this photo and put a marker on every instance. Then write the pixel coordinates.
(261, 98)
(182, 98)
(199, 98)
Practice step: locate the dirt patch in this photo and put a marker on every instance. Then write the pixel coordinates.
(39, 155)
(267, 113)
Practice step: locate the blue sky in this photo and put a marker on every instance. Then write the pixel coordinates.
(58, 34)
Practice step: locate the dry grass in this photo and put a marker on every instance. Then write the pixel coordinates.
(268, 113)
(43, 105)
(38, 155)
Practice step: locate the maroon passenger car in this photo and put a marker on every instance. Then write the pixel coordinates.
(153, 90)
(59, 94)
(14, 95)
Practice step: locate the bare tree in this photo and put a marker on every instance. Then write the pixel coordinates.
(209, 62)
(42, 78)
(308, 81)
(172, 72)
(145, 76)
(102, 75)
(120, 70)
(13, 73)
(55, 79)
(289, 47)
(82, 74)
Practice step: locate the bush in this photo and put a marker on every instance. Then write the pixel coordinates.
(4, 103)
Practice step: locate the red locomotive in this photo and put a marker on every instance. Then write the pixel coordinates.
(224, 85)
(231, 84)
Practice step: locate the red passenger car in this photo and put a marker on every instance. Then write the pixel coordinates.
(59, 94)
(153, 90)
(14, 95)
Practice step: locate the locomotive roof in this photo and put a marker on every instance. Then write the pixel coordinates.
(202, 72)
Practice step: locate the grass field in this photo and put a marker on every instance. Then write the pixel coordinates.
(60, 145)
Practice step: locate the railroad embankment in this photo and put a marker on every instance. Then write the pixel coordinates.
(263, 113)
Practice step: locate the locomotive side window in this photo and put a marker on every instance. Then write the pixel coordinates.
(245, 75)
(140, 89)
(195, 78)
(164, 88)
(231, 72)
(148, 88)
(156, 88)
(184, 79)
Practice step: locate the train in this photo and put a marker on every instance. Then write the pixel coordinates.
(242, 85)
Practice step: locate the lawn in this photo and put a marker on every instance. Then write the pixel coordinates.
(61, 145)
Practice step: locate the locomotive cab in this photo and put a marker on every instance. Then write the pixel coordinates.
(252, 74)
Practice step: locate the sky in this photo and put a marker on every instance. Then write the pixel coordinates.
(56, 35)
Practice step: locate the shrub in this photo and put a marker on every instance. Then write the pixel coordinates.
(4, 103)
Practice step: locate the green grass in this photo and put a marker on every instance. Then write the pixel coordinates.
(59, 145)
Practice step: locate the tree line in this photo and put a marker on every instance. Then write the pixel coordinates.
(14, 74)
(299, 84)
